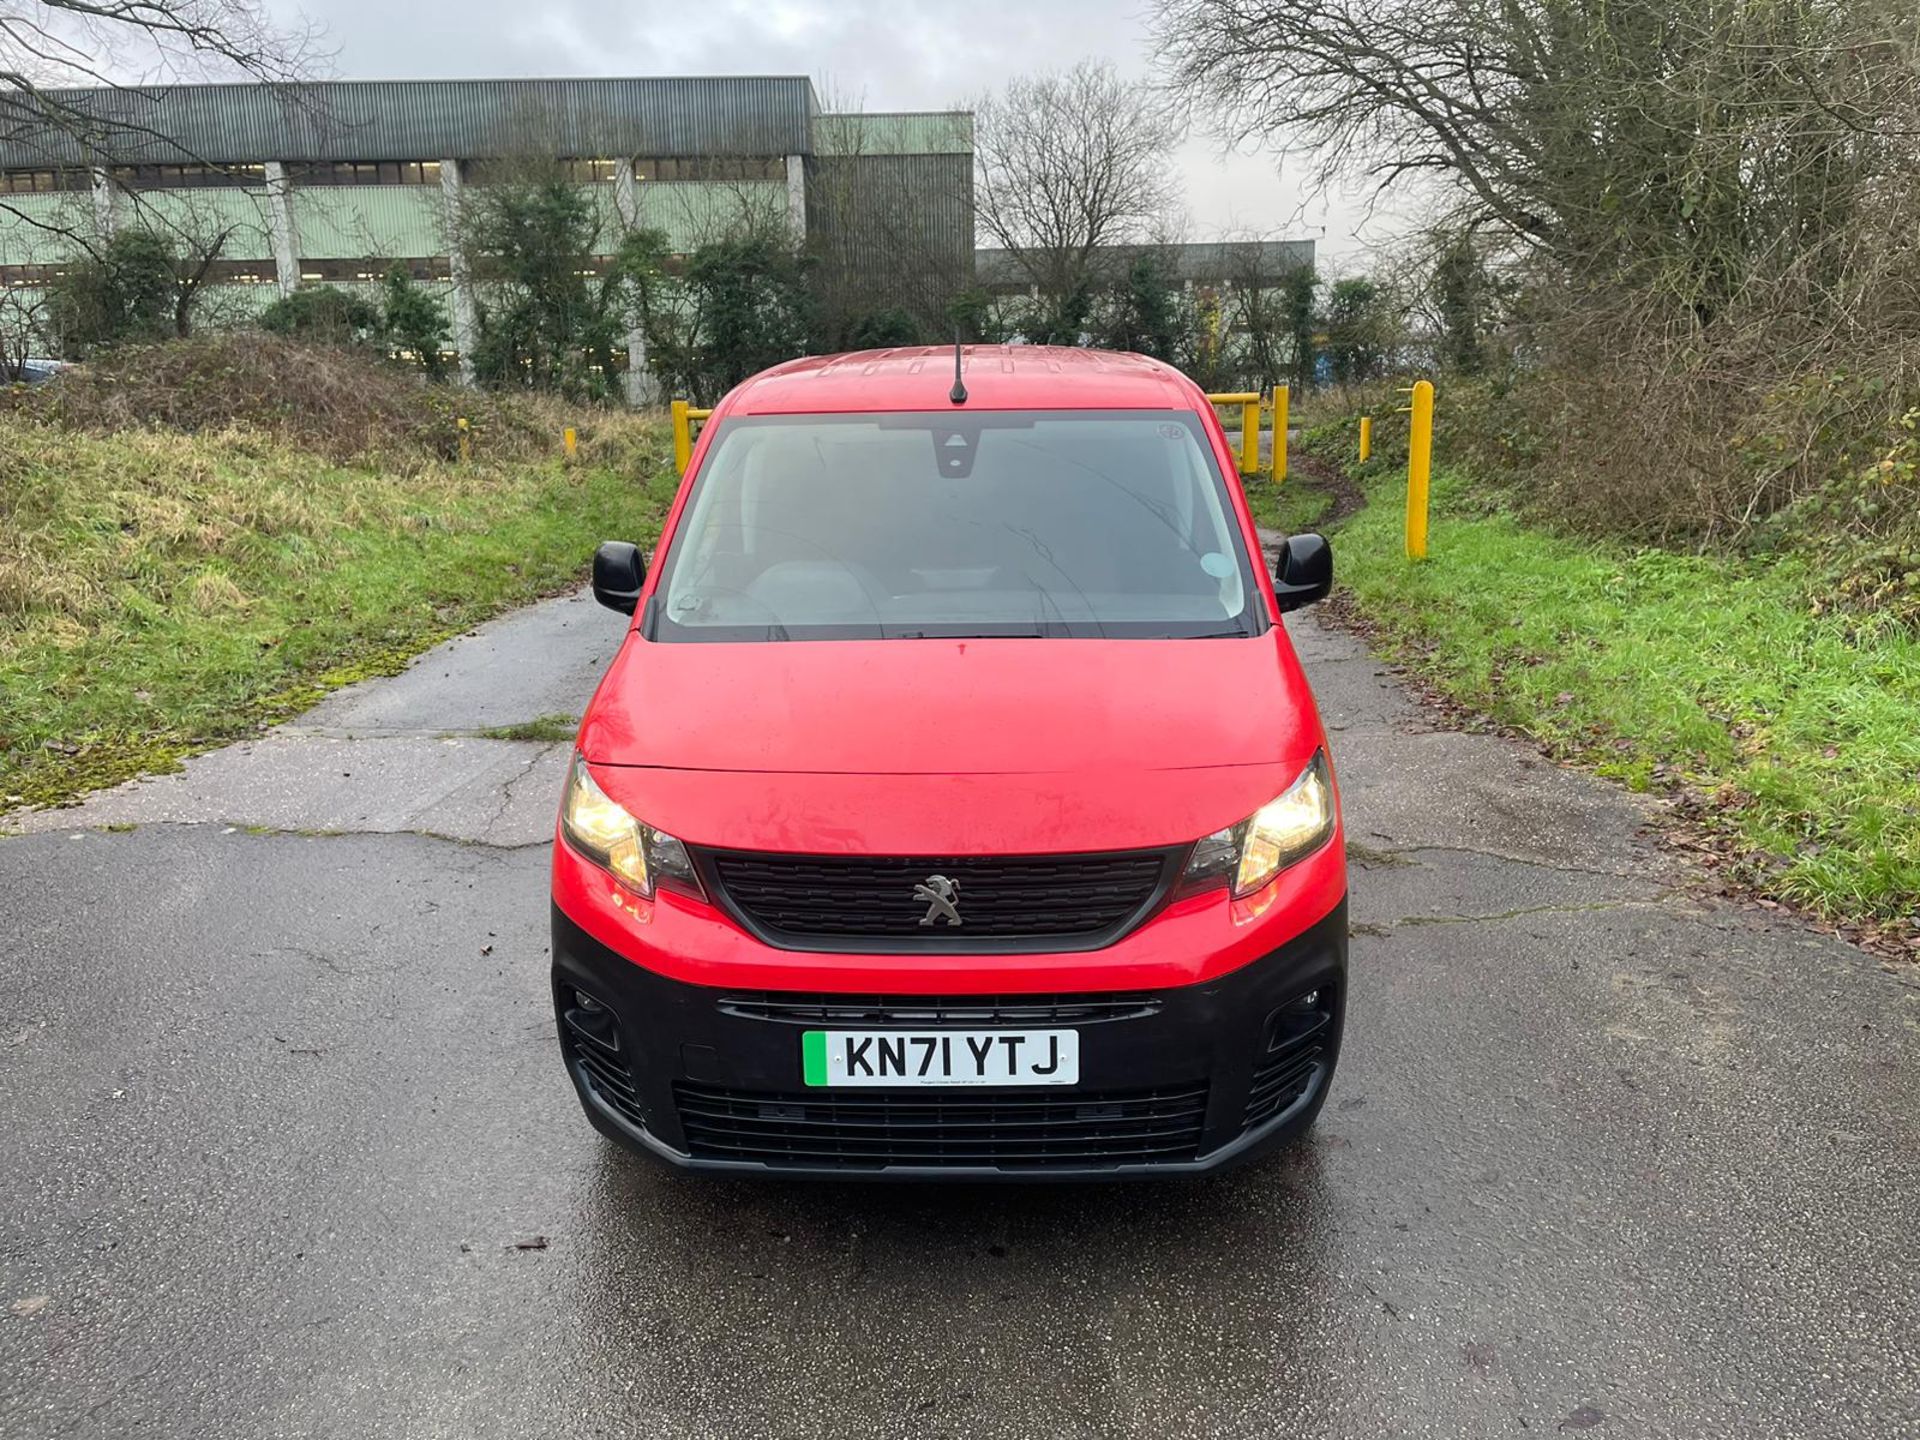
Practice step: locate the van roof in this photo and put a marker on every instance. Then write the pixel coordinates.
(998, 377)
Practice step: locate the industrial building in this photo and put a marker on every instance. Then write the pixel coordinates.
(336, 182)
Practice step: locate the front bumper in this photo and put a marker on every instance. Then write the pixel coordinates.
(1172, 1081)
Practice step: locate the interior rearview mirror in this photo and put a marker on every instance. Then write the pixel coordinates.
(1303, 571)
(619, 570)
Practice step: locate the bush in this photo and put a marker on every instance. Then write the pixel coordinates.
(883, 328)
(323, 314)
(124, 291)
(415, 322)
(340, 403)
(746, 303)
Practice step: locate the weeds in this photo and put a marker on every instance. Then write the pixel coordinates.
(547, 729)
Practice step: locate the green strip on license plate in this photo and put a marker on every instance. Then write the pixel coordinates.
(813, 1056)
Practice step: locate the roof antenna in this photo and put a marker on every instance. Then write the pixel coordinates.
(958, 395)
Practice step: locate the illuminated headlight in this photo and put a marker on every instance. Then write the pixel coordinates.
(1280, 833)
(632, 851)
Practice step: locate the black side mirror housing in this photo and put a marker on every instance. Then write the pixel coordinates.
(1303, 573)
(619, 571)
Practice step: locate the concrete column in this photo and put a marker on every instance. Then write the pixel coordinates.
(103, 216)
(641, 389)
(286, 240)
(465, 332)
(626, 194)
(797, 195)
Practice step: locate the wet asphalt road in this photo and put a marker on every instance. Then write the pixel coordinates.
(281, 1098)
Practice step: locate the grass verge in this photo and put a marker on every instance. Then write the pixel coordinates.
(163, 592)
(1790, 732)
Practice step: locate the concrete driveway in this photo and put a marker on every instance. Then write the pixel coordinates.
(287, 1150)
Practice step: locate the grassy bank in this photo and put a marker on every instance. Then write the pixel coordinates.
(161, 592)
(1790, 731)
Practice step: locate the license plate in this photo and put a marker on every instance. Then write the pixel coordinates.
(940, 1057)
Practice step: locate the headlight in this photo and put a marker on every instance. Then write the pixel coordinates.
(1280, 833)
(631, 850)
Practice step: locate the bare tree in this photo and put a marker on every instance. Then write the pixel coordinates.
(1690, 143)
(23, 319)
(1702, 210)
(1066, 165)
(57, 57)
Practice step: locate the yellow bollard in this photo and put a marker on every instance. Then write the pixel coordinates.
(570, 442)
(1249, 403)
(1419, 469)
(466, 439)
(682, 437)
(1282, 395)
(1366, 438)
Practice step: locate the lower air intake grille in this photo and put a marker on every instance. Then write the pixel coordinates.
(1004, 1132)
(1295, 1059)
(1050, 901)
(594, 1044)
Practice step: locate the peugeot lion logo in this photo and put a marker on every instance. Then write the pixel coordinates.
(942, 896)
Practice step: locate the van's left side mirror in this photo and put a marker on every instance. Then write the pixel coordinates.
(1303, 573)
(619, 571)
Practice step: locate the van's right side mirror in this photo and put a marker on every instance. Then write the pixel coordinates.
(1303, 571)
(619, 572)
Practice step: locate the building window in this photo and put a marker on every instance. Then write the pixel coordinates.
(28, 182)
(365, 172)
(188, 177)
(710, 167)
(372, 271)
(591, 172)
(33, 275)
(242, 272)
(580, 172)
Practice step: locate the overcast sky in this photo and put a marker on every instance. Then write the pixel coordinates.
(885, 54)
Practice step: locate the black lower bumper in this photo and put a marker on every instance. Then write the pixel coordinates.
(1175, 1081)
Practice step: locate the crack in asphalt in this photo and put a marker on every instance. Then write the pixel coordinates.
(1581, 908)
(301, 832)
(506, 790)
(1391, 853)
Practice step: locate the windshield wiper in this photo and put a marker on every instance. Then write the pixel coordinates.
(1037, 633)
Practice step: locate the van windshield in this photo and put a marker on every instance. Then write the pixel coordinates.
(943, 525)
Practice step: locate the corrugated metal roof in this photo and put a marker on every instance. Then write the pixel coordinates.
(417, 120)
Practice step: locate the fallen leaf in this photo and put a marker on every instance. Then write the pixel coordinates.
(32, 1305)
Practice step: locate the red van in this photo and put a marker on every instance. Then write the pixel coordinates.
(956, 805)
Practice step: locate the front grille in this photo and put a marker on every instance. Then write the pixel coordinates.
(1014, 901)
(1005, 1132)
(1295, 1059)
(928, 1010)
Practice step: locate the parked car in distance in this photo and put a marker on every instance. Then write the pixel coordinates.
(956, 805)
(35, 371)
